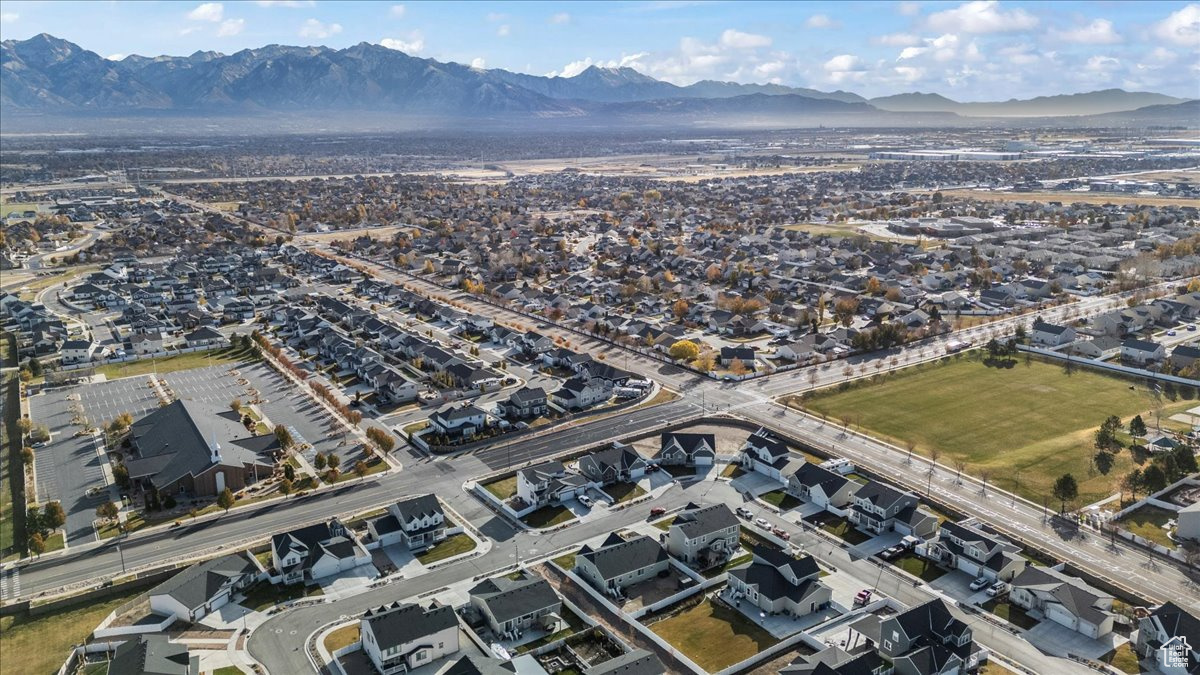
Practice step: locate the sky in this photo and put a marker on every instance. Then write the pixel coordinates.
(970, 51)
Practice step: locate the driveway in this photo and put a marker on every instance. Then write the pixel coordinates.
(1057, 639)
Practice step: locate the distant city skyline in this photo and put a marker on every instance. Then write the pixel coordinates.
(969, 51)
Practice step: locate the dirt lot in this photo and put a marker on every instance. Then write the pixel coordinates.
(729, 439)
(1069, 197)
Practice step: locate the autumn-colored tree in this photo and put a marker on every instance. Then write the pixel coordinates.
(225, 500)
(738, 367)
(684, 350)
(680, 309)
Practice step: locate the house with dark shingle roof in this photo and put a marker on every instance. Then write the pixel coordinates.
(678, 449)
(878, 507)
(1063, 599)
(153, 655)
(615, 464)
(314, 552)
(828, 489)
(401, 637)
(703, 536)
(1051, 335)
(767, 454)
(509, 606)
(776, 582)
(1141, 352)
(619, 563)
(634, 662)
(418, 522)
(548, 483)
(970, 549)
(1170, 635)
(203, 588)
(924, 640)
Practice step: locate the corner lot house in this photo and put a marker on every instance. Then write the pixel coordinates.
(196, 448)
(78, 351)
(619, 563)
(1168, 635)
(417, 522)
(399, 638)
(203, 588)
(312, 553)
(778, 583)
(703, 536)
(1064, 600)
(969, 549)
(828, 489)
(687, 449)
(511, 606)
(616, 464)
(548, 483)
(767, 454)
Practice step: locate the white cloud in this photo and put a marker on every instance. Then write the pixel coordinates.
(981, 16)
(231, 27)
(821, 21)
(290, 4)
(115, 57)
(1098, 32)
(909, 74)
(897, 40)
(576, 67)
(770, 71)
(560, 18)
(504, 30)
(397, 11)
(209, 11)
(908, 8)
(911, 53)
(9, 17)
(844, 68)
(189, 30)
(1181, 28)
(736, 39)
(413, 44)
(478, 63)
(315, 29)
(1102, 64)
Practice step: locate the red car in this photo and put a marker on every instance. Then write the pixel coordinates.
(657, 511)
(781, 533)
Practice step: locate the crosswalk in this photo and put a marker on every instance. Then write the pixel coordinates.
(10, 584)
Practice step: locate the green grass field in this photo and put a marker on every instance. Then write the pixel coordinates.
(1010, 613)
(781, 500)
(548, 516)
(39, 645)
(503, 488)
(170, 364)
(1124, 659)
(713, 635)
(1027, 424)
(450, 546)
(623, 492)
(1147, 522)
(919, 567)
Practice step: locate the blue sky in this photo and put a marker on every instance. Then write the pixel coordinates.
(979, 50)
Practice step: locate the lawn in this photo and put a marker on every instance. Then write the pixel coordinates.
(503, 488)
(373, 467)
(781, 500)
(713, 635)
(732, 471)
(175, 362)
(342, 637)
(566, 560)
(110, 529)
(1010, 613)
(733, 562)
(265, 595)
(680, 471)
(665, 523)
(548, 516)
(40, 644)
(925, 570)
(623, 492)
(450, 546)
(1147, 522)
(1038, 427)
(1124, 659)
(845, 530)
(12, 471)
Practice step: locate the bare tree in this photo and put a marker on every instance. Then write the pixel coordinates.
(934, 454)
(959, 465)
(911, 447)
(985, 475)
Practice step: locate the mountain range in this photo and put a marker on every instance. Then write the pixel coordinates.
(48, 75)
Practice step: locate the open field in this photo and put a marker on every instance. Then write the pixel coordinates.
(1147, 522)
(40, 644)
(28, 286)
(1026, 424)
(713, 635)
(20, 207)
(1067, 197)
(170, 364)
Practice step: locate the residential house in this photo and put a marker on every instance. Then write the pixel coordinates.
(1051, 335)
(619, 563)
(924, 640)
(402, 637)
(767, 454)
(203, 588)
(744, 354)
(966, 547)
(676, 449)
(152, 655)
(827, 489)
(618, 463)
(512, 606)
(458, 421)
(1063, 599)
(204, 336)
(1170, 637)
(778, 583)
(1184, 356)
(525, 403)
(703, 536)
(878, 508)
(548, 483)
(577, 393)
(417, 522)
(1142, 352)
(311, 553)
(634, 662)
(78, 351)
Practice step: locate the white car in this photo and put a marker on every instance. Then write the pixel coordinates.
(585, 500)
(996, 589)
(978, 584)
(762, 522)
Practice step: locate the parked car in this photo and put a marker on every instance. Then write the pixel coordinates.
(657, 511)
(863, 597)
(892, 552)
(652, 468)
(744, 512)
(1191, 326)
(1171, 332)
(585, 500)
(996, 589)
(781, 533)
(762, 522)
(979, 583)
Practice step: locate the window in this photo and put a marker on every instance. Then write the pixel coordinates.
(887, 645)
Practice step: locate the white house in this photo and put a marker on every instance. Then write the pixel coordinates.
(417, 522)
(1170, 637)
(310, 553)
(1063, 599)
(828, 489)
(399, 638)
(1051, 335)
(967, 548)
(203, 588)
(765, 453)
(777, 583)
(1141, 352)
(459, 421)
(548, 483)
(78, 351)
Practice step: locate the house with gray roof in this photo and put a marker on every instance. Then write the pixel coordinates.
(417, 522)
(767, 454)
(778, 583)
(633, 662)
(703, 536)
(1063, 599)
(308, 554)
(878, 508)
(923, 640)
(153, 655)
(401, 637)
(828, 489)
(1142, 352)
(619, 563)
(966, 547)
(203, 588)
(682, 449)
(548, 483)
(512, 606)
(1170, 637)
(615, 464)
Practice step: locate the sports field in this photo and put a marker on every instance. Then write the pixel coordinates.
(1026, 424)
